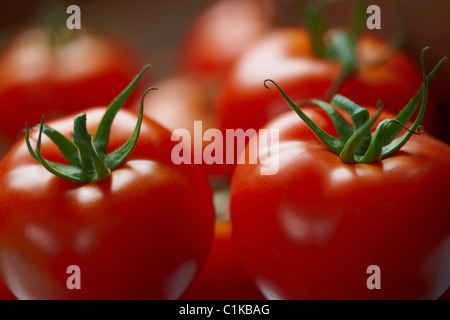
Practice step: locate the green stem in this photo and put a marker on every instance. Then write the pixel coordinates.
(331, 142)
(348, 153)
(90, 161)
(340, 45)
(87, 158)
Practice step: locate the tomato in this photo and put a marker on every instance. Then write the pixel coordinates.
(312, 230)
(286, 55)
(38, 76)
(221, 32)
(316, 228)
(141, 232)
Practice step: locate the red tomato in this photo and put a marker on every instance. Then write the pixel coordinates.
(286, 56)
(143, 233)
(313, 229)
(40, 77)
(222, 32)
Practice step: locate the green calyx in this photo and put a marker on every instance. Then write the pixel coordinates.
(357, 143)
(87, 157)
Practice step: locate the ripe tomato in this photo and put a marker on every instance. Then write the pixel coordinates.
(286, 56)
(221, 32)
(38, 76)
(312, 230)
(141, 233)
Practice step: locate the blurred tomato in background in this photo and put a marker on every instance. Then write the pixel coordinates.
(290, 61)
(41, 74)
(47, 69)
(221, 32)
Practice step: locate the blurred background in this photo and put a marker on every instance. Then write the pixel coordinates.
(156, 28)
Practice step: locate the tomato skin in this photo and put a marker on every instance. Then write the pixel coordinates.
(5, 293)
(221, 32)
(39, 77)
(445, 295)
(285, 55)
(222, 277)
(311, 230)
(141, 234)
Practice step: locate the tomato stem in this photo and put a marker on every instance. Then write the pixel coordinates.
(316, 25)
(331, 142)
(87, 157)
(358, 19)
(53, 19)
(338, 44)
(341, 46)
(357, 143)
(90, 162)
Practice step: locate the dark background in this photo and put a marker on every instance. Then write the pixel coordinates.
(155, 28)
